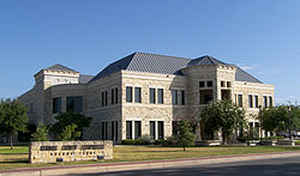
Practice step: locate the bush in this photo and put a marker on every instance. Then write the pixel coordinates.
(159, 142)
(128, 142)
(274, 138)
(171, 141)
(147, 140)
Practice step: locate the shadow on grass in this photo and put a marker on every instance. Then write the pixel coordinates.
(15, 162)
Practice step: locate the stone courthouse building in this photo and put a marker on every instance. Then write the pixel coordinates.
(143, 94)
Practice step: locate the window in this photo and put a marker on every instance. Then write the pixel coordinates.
(117, 130)
(105, 98)
(174, 97)
(250, 99)
(222, 83)
(129, 94)
(102, 99)
(128, 129)
(138, 95)
(112, 96)
(265, 101)
(152, 95)
(106, 130)
(102, 130)
(74, 104)
(201, 84)
(113, 130)
(240, 100)
(270, 101)
(206, 96)
(116, 96)
(160, 126)
(256, 101)
(56, 105)
(137, 129)
(152, 129)
(182, 97)
(228, 84)
(31, 107)
(160, 96)
(174, 128)
(209, 83)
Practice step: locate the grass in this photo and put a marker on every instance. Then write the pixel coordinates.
(18, 158)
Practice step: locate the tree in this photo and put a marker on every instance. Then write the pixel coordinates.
(69, 133)
(281, 118)
(70, 124)
(41, 133)
(13, 118)
(222, 116)
(184, 136)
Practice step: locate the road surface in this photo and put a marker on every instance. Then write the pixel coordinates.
(268, 167)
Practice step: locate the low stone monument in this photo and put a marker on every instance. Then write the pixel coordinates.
(61, 151)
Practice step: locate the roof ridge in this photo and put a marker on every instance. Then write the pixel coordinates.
(154, 54)
(60, 67)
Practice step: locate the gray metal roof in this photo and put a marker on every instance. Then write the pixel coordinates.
(58, 67)
(83, 79)
(206, 60)
(154, 63)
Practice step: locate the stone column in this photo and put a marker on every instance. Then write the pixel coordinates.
(133, 129)
(156, 130)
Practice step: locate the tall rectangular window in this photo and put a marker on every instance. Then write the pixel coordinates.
(160, 96)
(117, 95)
(152, 95)
(160, 126)
(106, 130)
(102, 99)
(256, 101)
(250, 100)
(138, 95)
(56, 105)
(106, 98)
(112, 96)
(182, 97)
(240, 100)
(117, 130)
(129, 94)
(74, 104)
(152, 129)
(113, 130)
(270, 101)
(265, 101)
(174, 97)
(137, 129)
(102, 130)
(128, 129)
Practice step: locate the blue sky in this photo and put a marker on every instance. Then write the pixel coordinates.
(262, 36)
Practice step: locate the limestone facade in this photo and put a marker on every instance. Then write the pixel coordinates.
(153, 107)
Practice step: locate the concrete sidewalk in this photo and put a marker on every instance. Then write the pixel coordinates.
(155, 164)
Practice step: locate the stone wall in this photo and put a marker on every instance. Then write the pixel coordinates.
(58, 151)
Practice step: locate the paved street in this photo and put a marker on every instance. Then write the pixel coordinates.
(270, 167)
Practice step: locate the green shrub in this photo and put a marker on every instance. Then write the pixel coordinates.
(171, 141)
(159, 142)
(147, 140)
(128, 142)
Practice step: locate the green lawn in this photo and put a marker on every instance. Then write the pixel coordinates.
(18, 158)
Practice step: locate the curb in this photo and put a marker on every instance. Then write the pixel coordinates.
(137, 165)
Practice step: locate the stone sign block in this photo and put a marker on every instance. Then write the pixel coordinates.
(61, 151)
